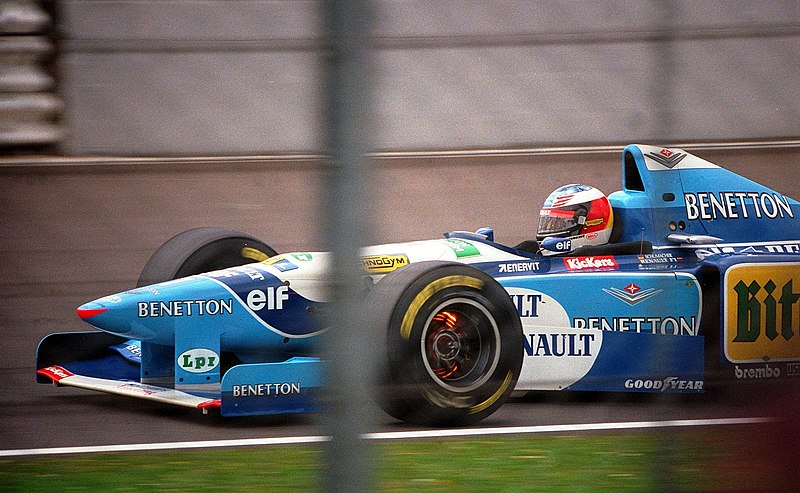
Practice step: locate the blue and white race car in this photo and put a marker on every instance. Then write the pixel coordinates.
(698, 276)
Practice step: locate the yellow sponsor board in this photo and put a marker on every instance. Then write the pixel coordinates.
(382, 264)
(762, 312)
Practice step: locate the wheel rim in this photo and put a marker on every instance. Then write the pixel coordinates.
(460, 345)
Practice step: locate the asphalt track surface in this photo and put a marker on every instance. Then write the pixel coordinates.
(77, 231)
(42, 416)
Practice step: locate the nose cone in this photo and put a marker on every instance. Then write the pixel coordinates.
(89, 310)
(152, 313)
(248, 308)
(117, 314)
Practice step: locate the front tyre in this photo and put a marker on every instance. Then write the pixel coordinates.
(453, 347)
(202, 250)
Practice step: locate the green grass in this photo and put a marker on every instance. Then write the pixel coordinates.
(676, 460)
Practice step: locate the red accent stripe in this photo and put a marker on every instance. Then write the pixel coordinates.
(562, 200)
(560, 213)
(212, 404)
(55, 373)
(84, 314)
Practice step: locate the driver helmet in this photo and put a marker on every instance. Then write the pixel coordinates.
(579, 212)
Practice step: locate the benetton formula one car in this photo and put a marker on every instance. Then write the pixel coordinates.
(699, 275)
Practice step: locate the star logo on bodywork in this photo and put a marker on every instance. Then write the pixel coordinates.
(632, 294)
(669, 161)
(632, 288)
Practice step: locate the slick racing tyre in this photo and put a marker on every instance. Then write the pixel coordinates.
(453, 343)
(202, 250)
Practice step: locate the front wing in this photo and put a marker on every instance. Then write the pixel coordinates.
(106, 363)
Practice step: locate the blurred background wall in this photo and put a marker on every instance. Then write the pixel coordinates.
(108, 110)
(30, 109)
(180, 77)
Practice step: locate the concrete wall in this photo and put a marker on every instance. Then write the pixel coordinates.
(244, 77)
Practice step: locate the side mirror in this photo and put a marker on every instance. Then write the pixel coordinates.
(487, 232)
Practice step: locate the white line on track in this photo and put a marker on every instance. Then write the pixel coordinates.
(394, 435)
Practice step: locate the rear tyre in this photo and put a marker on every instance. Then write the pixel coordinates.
(453, 343)
(202, 250)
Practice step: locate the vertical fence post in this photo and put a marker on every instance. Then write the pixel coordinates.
(347, 211)
(663, 91)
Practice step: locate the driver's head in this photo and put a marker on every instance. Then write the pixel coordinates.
(578, 212)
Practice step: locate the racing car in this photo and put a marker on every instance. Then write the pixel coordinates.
(698, 276)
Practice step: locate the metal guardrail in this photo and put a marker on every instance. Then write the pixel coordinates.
(62, 164)
(29, 106)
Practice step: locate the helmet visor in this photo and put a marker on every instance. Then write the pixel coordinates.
(563, 221)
